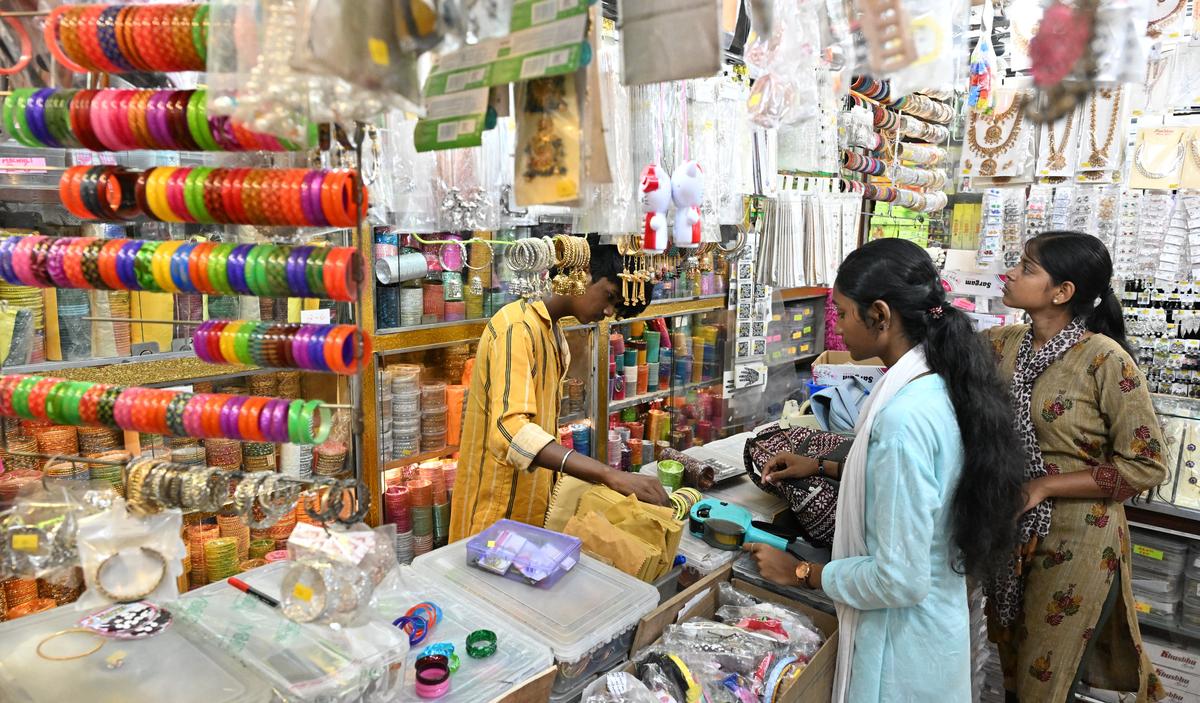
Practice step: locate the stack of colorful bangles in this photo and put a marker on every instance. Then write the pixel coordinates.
(853, 161)
(125, 38)
(165, 412)
(120, 120)
(236, 196)
(265, 270)
(418, 621)
(331, 348)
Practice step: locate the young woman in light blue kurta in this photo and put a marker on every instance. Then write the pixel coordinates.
(927, 494)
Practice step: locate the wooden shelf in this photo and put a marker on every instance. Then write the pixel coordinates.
(418, 458)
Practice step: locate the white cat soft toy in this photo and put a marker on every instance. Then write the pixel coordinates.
(655, 192)
(687, 191)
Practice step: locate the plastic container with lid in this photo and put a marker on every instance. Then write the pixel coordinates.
(1163, 613)
(1157, 587)
(306, 662)
(157, 668)
(702, 558)
(517, 658)
(1192, 570)
(587, 619)
(524, 553)
(1157, 554)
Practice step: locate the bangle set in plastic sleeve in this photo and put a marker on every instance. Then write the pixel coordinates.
(338, 349)
(236, 196)
(165, 412)
(121, 120)
(177, 266)
(126, 38)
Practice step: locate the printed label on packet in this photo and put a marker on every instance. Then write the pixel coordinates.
(1148, 552)
(1141, 607)
(305, 593)
(25, 543)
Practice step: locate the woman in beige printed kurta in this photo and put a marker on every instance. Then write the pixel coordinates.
(1090, 415)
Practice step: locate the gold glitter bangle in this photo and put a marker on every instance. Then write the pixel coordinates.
(98, 582)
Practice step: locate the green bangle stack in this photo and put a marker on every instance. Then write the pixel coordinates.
(481, 644)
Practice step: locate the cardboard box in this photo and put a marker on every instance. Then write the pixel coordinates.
(1179, 680)
(1171, 657)
(833, 367)
(815, 684)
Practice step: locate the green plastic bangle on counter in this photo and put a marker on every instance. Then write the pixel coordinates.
(481, 644)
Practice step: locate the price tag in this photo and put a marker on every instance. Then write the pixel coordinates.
(25, 543)
(315, 317)
(1148, 552)
(305, 593)
(1141, 607)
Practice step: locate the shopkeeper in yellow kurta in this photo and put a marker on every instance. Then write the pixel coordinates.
(509, 454)
(1092, 439)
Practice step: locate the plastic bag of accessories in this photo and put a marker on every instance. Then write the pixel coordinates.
(375, 44)
(734, 649)
(39, 533)
(332, 573)
(782, 65)
(127, 557)
(782, 625)
(618, 687)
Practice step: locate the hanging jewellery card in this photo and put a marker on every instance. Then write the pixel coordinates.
(1101, 142)
(1056, 146)
(1158, 158)
(999, 144)
(1190, 177)
(545, 39)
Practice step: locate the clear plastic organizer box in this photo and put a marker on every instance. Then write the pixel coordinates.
(524, 553)
(587, 618)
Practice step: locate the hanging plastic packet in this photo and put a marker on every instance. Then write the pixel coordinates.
(548, 141)
(784, 90)
(932, 24)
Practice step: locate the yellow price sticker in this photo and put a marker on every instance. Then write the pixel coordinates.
(1148, 552)
(302, 592)
(566, 188)
(379, 51)
(25, 543)
(1141, 607)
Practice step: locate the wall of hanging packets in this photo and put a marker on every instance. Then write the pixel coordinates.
(244, 461)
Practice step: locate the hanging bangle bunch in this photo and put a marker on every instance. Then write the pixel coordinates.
(331, 348)
(265, 270)
(125, 38)
(120, 120)
(918, 177)
(165, 412)
(853, 161)
(530, 259)
(476, 284)
(572, 259)
(236, 196)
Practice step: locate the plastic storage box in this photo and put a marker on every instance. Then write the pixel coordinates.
(518, 657)
(587, 619)
(1157, 555)
(305, 662)
(524, 553)
(176, 664)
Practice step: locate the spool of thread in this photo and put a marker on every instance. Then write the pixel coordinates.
(670, 474)
(581, 437)
(652, 339)
(643, 378)
(651, 376)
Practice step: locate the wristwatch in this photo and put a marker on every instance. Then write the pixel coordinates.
(803, 569)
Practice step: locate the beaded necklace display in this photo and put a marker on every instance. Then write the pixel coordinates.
(988, 166)
(1058, 156)
(1099, 155)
